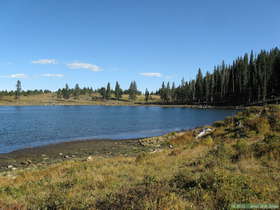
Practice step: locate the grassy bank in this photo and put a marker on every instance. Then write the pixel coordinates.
(51, 99)
(236, 160)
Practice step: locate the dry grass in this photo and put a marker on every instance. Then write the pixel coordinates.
(51, 99)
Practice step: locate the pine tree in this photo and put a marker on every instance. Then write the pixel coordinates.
(132, 91)
(66, 92)
(199, 86)
(77, 91)
(147, 95)
(173, 93)
(18, 89)
(102, 92)
(59, 93)
(108, 91)
(118, 91)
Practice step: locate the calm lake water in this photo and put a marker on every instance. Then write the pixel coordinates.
(30, 126)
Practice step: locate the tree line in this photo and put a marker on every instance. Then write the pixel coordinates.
(249, 79)
(67, 92)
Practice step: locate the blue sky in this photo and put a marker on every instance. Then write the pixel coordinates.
(47, 43)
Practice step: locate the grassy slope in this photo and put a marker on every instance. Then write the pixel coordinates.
(51, 99)
(239, 162)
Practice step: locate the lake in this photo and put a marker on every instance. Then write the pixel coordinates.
(30, 126)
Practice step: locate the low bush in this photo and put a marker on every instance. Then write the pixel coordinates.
(215, 189)
(270, 147)
(208, 141)
(243, 149)
(150, 194)
(187, 138)
(220, 123)
(142, 157)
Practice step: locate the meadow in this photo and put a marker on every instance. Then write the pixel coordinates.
(52, 99)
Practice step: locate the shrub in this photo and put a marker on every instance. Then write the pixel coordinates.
(187, 138)
(151, 195)
(215, 189)
(269, 146)
(258, 124)
(263, 126)
(208, 141)
(141, 157)
(175, 152)
(219, 123)
(242, 148)
(222, 152)
(274, 119)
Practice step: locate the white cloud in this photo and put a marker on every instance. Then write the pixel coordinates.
(45, 61)
(151, 74)
(15, 76)
(88, 66)
(52, 75)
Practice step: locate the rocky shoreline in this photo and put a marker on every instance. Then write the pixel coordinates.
(81, 150)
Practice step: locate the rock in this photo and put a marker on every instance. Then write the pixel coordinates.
(170, 146)
(60, 154)
(14, 168)
(43, 155)
(10, 166)
(89, 158)
(27, 162)
(66, 156)
(204, 132)
(240, 124)
(156, 150)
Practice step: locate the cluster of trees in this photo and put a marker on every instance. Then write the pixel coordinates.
(67, 92)
(107, 92)
(76, 92)
(249, 79)
(18, 92)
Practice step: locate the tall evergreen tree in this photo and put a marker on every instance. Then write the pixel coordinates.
(102, 92)
(199, 86)
(118, 91)
(108, 91)
(132, 91)
(147, 95)
(66, 92)
(77, 91)
(18, 89)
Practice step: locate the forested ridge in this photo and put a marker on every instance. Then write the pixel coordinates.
(249, 79)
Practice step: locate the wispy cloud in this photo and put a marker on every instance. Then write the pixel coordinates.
(15, 76)
(52, 75)
(151, 74)
(45, 61)
(88, 66)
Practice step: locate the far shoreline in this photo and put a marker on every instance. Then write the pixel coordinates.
(134, 105)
